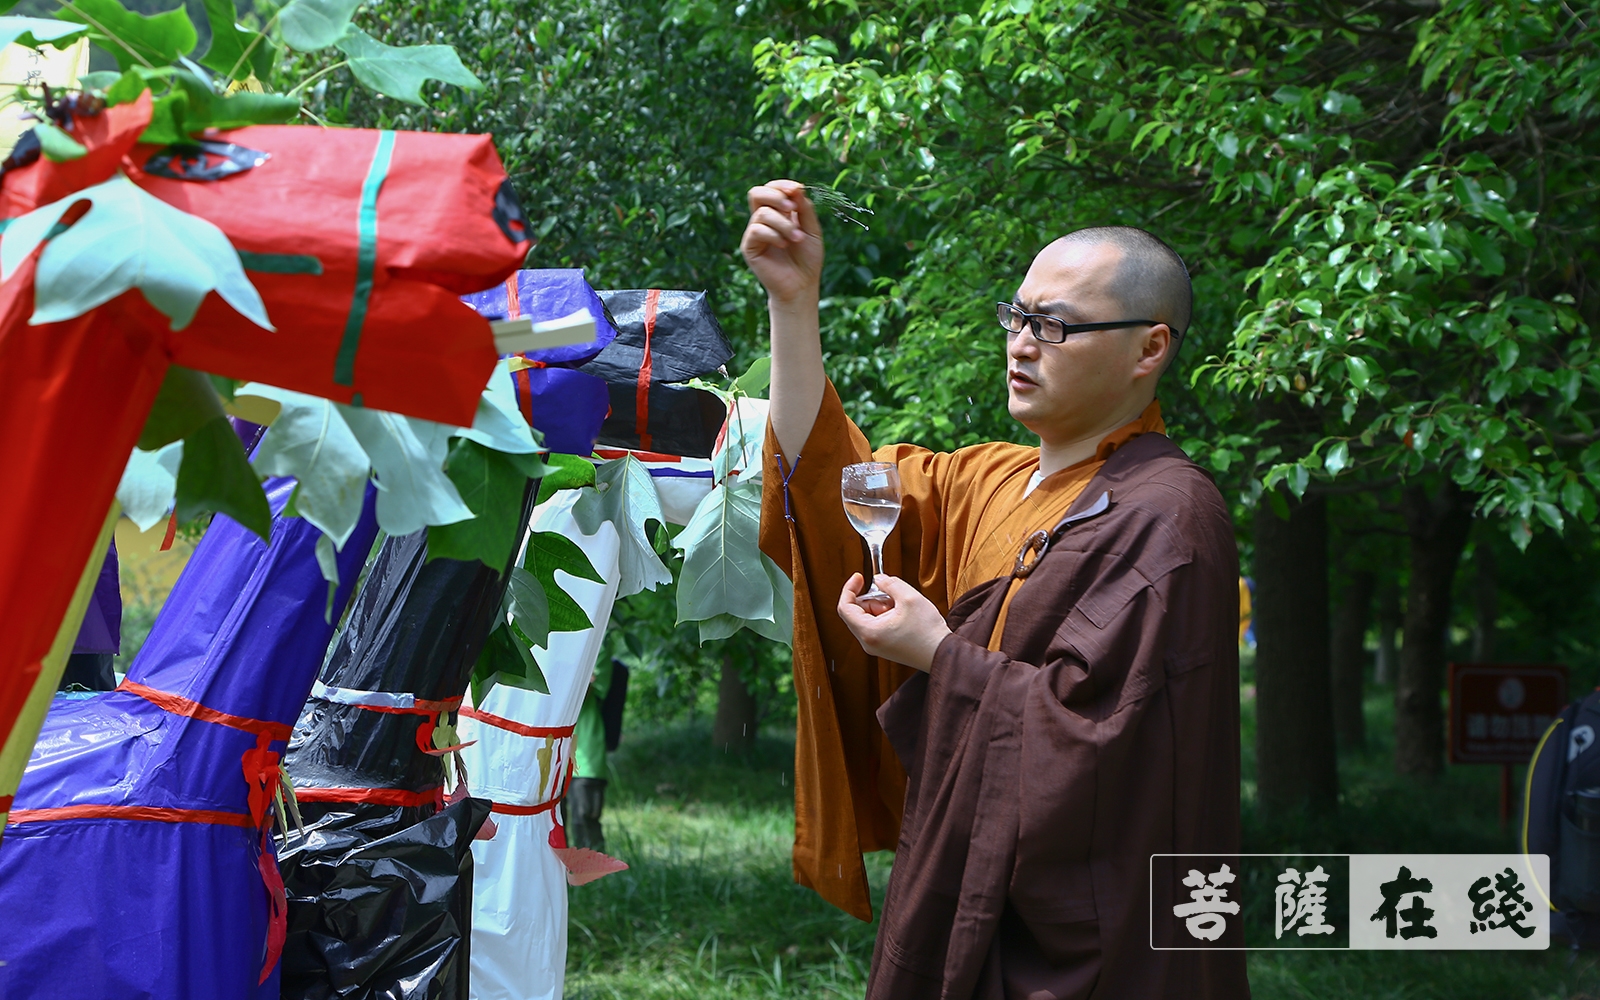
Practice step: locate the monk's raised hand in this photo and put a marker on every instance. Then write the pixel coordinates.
(907, 633)
(783, 241)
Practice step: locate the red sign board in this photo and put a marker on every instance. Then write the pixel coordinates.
(1498, 711)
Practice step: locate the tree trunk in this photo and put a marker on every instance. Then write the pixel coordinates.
(735, 726)
(1485, 599)
(1349, 659)
(1296, 764)
(1438, 525)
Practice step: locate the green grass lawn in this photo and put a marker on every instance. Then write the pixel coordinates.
(708, 909)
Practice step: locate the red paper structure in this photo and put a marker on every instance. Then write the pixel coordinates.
(359, 242)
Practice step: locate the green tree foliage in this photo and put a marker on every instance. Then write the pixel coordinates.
(1389, 212)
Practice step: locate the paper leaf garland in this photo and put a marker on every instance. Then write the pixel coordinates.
(35, 31)
(216, 476)
(491, 485)
(308, 25)
(139, 39)
(400, 72)
(231, 43)
(722, 572)
(499, 423)
(584, 865)
(407, 461)
(311, 442)
(149, 484)
(128, 239)
(624, 495)
(547, 552)
(778, 628)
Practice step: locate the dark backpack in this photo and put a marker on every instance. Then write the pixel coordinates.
(1562, 819)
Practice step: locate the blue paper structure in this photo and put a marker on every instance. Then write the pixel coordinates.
(565, 405)
(113, 907)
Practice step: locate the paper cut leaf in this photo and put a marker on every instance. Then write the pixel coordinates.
(722, 571)
(186, 400)
(740, 443)
(407, 461)
(128, 239)
(35, 31)
(400, 72)
(584, 865)
(624, 495)
(778, 628)
(311, 442)
(526, 604)
(505, 660)
(547, 552)
(499, 423)
(308, 25)
(56, 145)
(150, 484)
(157, 39)
(491, 486)
(216, 476)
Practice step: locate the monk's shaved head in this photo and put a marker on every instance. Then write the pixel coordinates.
(1150, 280)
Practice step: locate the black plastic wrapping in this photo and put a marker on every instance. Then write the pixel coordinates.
(387, 918)
(415, 627)
(687, 342)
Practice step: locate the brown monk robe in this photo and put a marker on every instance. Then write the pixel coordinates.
(1082, 717)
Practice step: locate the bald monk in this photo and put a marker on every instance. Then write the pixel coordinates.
(1053, 696)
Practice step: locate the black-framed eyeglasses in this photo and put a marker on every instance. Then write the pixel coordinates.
(1052, 329)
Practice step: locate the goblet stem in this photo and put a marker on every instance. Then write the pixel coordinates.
(877, 562)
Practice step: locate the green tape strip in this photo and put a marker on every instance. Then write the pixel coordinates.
(280, 263)
(344, 369)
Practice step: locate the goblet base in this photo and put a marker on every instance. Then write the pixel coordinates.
(875, 602)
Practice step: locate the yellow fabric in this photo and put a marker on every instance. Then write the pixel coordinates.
(19, 746)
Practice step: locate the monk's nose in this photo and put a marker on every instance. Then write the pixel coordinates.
(1022, 346)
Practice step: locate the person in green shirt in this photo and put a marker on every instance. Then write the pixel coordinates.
(598, 730)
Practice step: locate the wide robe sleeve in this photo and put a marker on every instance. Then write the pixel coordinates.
(848, 785)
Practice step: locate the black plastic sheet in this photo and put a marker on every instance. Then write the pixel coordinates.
(415, 627)
(685, 342)
(387, 918)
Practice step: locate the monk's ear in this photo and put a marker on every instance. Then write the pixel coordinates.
(1156, 347)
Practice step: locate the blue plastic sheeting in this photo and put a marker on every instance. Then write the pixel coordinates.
(120, 908)
(564, 405)
(567, 407)
(546, 294)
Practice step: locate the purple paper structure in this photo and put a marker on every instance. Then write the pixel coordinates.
(565, 405)
(545, 294)
(113, 907)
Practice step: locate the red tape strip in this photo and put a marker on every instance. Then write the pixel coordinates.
(156, 814)
(512, 810)
(177, 704)
(509, 726)
(372, 796)
(641, 404)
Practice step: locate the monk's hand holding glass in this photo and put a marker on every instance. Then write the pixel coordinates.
(872, 503)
